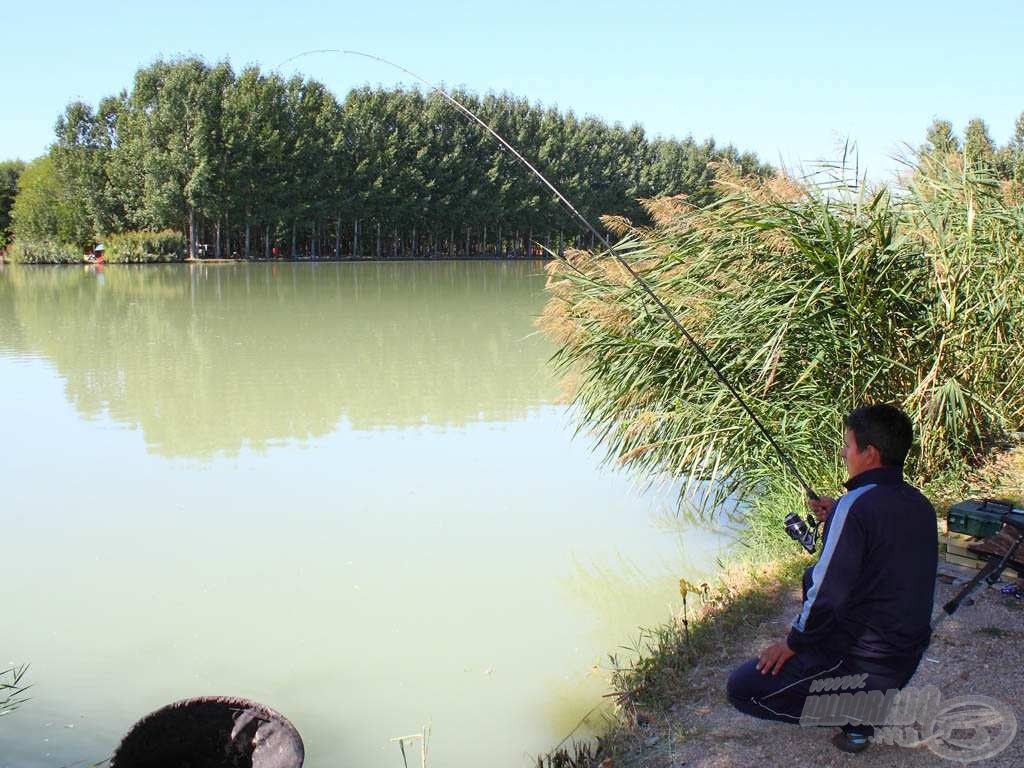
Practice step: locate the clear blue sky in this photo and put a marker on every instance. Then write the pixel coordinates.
(789, 80)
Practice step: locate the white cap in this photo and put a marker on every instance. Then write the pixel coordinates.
(99, 247)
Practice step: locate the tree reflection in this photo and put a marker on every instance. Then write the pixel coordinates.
(207, 359)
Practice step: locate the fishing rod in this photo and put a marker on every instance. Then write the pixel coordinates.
(990, 573)
(803, 532)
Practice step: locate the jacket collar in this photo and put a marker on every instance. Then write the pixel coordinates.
(878, 476)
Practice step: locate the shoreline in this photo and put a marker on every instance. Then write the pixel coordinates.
(671, 708)
(298, 260)
(700, 729)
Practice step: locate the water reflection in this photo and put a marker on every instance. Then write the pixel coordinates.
(209, 359)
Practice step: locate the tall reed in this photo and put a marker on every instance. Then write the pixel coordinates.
(815, 296)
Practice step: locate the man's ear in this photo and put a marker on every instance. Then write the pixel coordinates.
(874, 454)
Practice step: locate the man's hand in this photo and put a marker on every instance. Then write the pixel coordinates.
(773, 658)
(821, 507)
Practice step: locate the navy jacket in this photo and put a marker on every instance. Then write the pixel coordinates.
(870, 594)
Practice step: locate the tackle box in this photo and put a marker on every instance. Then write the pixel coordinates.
(983, 517)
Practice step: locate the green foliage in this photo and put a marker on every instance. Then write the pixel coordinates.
(979, 149)
(45, 210)
(142, 247)
(81, 154)
(10, 170)
(1011, 157)
(251, 161)
(1005, 163)
(169, 139)
(122, 248)
(45, 251)
(814, 298)
(941, 138)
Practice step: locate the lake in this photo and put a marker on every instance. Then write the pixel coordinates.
(349, 491)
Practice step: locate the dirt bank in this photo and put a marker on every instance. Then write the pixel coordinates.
(979, 650)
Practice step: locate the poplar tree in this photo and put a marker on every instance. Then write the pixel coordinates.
(979, 149)
(10, 170)
(940, 138)
(45, 208)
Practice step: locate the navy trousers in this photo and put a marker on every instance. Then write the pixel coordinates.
(782, 697)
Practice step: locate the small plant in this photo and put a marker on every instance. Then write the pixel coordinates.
(579, 754)
(12, 689)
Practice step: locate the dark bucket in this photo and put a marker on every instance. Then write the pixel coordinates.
(211, 732)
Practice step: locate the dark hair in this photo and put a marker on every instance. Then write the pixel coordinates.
(884, 426)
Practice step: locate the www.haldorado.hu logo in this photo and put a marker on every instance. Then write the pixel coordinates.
(964, 728)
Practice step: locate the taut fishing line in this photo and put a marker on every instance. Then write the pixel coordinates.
(795, 527)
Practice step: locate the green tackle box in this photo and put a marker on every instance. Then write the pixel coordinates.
(983, 517)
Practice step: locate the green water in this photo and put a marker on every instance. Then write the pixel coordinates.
(345, 490)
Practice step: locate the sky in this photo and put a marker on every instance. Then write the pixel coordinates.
(791, 81)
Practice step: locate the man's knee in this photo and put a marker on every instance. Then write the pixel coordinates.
(743, 683)
(770, 697)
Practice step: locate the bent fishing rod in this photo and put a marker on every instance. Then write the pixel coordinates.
(803, 532)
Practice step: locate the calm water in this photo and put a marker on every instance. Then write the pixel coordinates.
(345, 490)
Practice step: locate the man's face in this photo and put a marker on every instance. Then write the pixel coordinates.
(856, 460)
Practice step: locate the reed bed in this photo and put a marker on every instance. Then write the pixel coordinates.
(814, 295)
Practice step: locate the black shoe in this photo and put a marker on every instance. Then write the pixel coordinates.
(851, 741)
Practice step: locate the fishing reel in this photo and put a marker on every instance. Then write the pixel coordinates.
(802, 531)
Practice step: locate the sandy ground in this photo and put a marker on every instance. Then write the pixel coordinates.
(979, 650)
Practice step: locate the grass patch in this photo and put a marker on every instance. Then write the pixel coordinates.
(715, 619)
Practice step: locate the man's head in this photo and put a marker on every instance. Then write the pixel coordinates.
(876, 436)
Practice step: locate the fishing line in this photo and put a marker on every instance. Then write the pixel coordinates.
(609, 249)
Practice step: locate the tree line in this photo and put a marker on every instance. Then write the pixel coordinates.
(254, 164)
(978, 149)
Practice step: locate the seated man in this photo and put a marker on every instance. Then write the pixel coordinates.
(868, 600)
